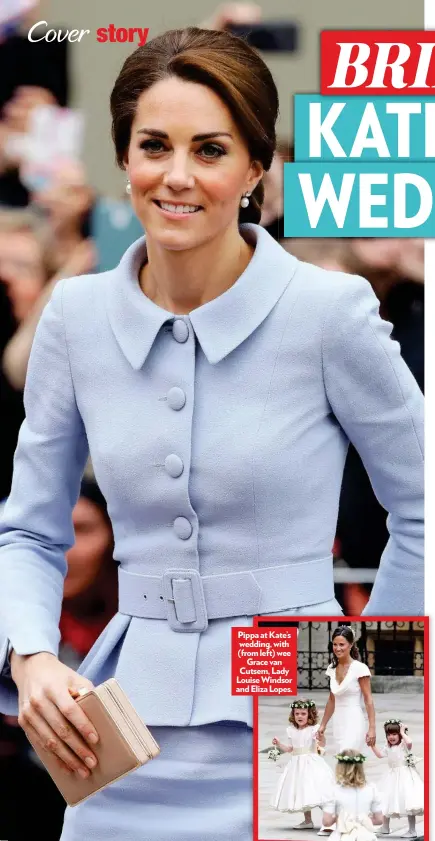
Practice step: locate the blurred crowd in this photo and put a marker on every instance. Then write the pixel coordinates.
(56, 226)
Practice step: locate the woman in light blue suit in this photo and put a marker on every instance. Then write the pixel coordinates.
(216, 382)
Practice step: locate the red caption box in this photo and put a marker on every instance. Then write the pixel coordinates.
(399, 62)
(264, 661)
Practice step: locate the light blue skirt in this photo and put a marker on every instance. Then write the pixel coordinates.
(198, 789)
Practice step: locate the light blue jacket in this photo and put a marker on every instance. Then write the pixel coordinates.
(218, 440)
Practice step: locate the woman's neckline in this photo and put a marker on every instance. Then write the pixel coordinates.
(339, 682)
(248, 235)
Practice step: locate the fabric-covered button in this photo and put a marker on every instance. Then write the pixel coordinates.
(176, 398)
(180, 330)
(183, 528)
(173, 465)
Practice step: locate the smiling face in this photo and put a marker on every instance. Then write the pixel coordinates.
(393, 738)
(301, 717)
(188, 165)
(341, 648)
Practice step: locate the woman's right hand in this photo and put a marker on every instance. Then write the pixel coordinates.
(275, 741)
(48, 713)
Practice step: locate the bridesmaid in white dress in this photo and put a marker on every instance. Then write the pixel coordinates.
(402, 789)
(306, 781)
(349, 689)
(355, 806)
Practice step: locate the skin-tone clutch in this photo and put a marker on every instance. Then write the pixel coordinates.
(125, 743)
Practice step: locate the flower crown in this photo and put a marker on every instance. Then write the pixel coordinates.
(351, 760)
(302, 705)
(393, 721)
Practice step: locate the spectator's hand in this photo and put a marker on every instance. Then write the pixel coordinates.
(48, 712)
(403, 257)
(82, 260)
(10, 157)
(4, 135)
(17, 110)
(227, 13)
(378, 254)
(410, 259)
(65, 199)
(22, 270)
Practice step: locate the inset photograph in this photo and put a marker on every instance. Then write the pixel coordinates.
(345, 758)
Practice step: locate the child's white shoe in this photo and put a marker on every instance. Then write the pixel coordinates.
(305, 825)
(325, 830)
(410, 834)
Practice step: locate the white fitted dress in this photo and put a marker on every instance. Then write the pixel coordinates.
(307, 780)
(402, 790)
(353, 807)
(349, 723)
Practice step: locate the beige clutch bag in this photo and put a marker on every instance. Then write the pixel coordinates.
(125, 743)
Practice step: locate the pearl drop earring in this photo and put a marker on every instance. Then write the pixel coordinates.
(128, 187)
(244, 201)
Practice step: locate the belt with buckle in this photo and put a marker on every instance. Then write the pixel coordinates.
(188, 600)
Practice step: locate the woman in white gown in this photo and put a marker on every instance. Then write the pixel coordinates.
(349, 689)
(355, 806)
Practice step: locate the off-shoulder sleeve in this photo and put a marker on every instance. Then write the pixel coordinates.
(36, 526)
(379, 405)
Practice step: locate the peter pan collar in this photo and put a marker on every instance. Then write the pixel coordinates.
(220, 325)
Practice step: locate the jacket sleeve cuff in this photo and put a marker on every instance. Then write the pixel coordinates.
(406, 600)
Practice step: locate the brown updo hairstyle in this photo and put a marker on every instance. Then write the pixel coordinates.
(346, 632)
(222, 62)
